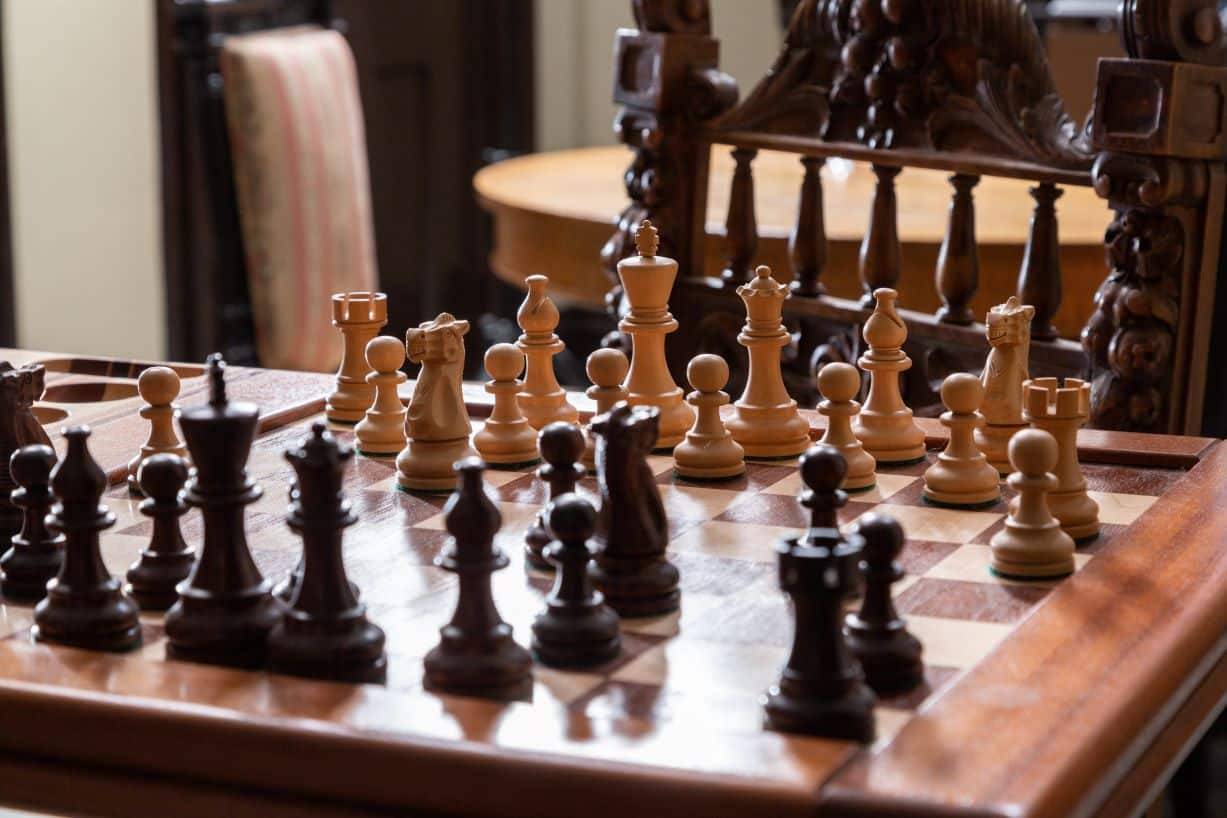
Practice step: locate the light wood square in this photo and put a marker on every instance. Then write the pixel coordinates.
(14, 619)
(970, 563)
(730, 540)
(1120, 509)
(119, 551)
(660, 464)
(941, 524)
(889, 722)
(565, 686)
(956, 643)
(517, 517)
(887, 485)
(690, 666)
(698, 503)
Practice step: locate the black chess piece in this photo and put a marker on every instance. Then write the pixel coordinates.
(37, 553)
(325, 633)
(877, 635)
(19, 388)
(631, 568)
(226, 608)
(85, 606)
(167, 560)
(561, 445)
(577, 628)
(476, 654)
(822, 689)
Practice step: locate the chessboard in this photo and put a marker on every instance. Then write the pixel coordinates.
(1032, 689)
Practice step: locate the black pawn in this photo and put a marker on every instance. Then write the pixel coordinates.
(167, 560)
(226, 608)
(476, 654)
(561, 445)
(824, 498)
(631, 567)
(37, 553)
(325, 633)
(576, 628)
(822, 689)
(877, 635)
(85, 606)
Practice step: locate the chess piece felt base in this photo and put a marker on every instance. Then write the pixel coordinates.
(27, 571)
(993, 441)
(647, 591)
(576, 636)
(849, 716)
(769, 432)
(893, 664)
(714, 476)
(501, 671)
(227, 630)
(154, 580)
(426, 465)
(102, 620)
(348, 650)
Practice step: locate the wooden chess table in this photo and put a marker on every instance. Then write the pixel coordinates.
(1075, 697)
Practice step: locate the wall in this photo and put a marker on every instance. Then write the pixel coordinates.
(80, 82)
(575, 61)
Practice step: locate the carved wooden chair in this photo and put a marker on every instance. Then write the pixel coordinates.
(962, 86)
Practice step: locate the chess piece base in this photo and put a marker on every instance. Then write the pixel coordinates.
(504, 673)
(993, 442)
(1077, 513)
(109, 622)
(1023, 552)
(542, 410)
(351, 650)
(154, 579)
(893, 440)
(647, 591)
(700, 458)
(769, 432)
(500, 446)
(847, 717)
(710, 474)
(567, 637)
(373, 449)
(426, 465)
(892, 665)
(961, 486)
(27, 572)
(231, 630)
(351, 410)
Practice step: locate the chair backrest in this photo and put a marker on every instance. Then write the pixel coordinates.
(963, 86)
(208, 304)
(300, 164)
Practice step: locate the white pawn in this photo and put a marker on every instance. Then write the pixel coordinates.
(1032, 544)
(838, 383)
(607, 370)
(709, 451)
(541, 399)
(506, 440)
(962, 476)
(382, 429)
(159, 386)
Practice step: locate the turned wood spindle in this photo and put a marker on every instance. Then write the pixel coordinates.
(958, 261)
(1039, 279)
(881, 256)
(741, 226)
(807, 246)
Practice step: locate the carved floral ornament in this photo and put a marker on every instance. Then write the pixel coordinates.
(953, 75)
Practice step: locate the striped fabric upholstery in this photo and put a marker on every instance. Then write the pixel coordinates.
(299, 148)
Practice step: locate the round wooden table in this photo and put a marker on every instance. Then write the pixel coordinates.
(553, 211)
